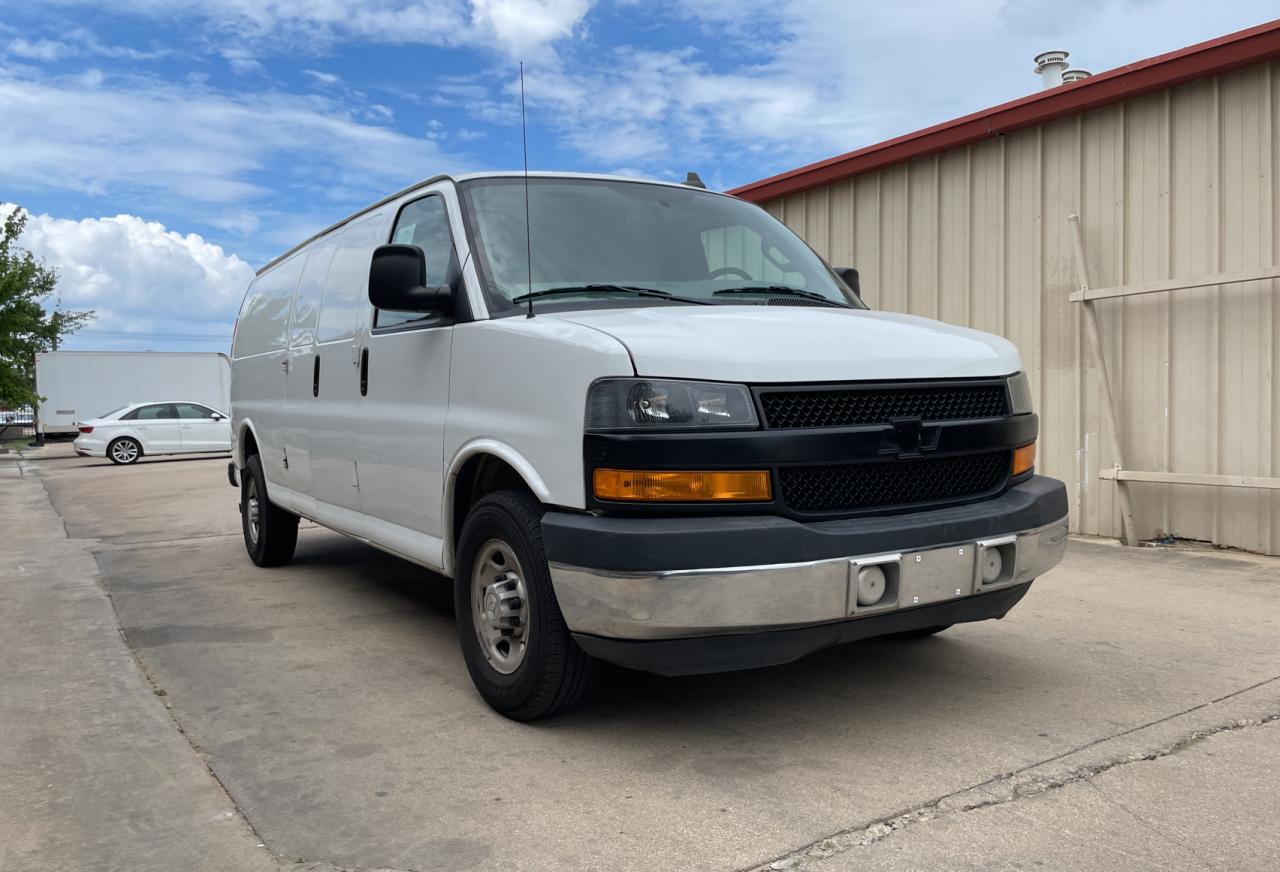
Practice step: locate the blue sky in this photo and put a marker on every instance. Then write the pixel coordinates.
(166, 148)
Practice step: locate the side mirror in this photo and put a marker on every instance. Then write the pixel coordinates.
(849, 276)
(216, 417)
(397, 281)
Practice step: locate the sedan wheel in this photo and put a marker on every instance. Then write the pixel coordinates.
(124, 450)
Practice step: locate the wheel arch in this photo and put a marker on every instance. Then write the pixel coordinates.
(246, 443)
(127, 434)
(481, 467)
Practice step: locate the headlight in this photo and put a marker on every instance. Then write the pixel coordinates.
(628, 403)
(1019, 394)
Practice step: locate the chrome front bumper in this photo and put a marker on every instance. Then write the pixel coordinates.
(681, 603)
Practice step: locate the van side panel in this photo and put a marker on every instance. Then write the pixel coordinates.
(258, 354)
(300, 381)
(523, 383)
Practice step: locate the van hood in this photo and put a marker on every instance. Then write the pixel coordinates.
(760, 344)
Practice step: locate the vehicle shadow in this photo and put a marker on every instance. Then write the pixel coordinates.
(884, 685)
(93, 462)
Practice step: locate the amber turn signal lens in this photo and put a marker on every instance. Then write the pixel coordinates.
(680, 487)
(1024, 458)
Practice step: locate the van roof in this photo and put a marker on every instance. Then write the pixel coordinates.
(463, 177)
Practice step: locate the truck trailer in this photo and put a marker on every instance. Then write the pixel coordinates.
(79, 385)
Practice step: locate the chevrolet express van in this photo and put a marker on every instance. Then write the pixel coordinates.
(636, 422)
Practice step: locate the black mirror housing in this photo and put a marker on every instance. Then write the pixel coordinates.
(397, 281)
(849, 276)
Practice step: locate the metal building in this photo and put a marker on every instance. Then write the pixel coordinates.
(1172, 166)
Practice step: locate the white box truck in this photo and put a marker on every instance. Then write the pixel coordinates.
(79, 385)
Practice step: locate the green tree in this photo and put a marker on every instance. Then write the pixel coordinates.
(25, 325)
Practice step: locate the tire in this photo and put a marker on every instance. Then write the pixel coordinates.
(124, 451)
(542, 671)
(922, 632)
(270, 533)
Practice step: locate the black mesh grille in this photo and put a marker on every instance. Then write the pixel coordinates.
(890, 484)
(853, 407)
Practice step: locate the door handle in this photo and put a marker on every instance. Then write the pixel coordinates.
(284, 365)
(315, 376)
(364, 371)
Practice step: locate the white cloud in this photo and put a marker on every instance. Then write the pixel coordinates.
(74, 43)
(322, 77)
(138, 275)
(523, 26)
(512, 25)
(659, 109)
(241, 60)
(37, 50)
(187, 148)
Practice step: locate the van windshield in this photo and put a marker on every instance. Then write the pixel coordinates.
(596, 242)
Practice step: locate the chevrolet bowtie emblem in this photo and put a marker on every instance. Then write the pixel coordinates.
(907, 436)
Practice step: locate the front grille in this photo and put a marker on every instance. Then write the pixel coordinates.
(850, 487)
(858, 406)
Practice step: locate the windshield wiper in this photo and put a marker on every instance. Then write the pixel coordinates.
(782, 291)
(613, 289)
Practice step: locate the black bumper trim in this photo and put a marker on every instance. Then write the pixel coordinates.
(639, 544)
(726, 653)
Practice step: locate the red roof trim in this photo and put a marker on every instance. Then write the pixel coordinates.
(1199, 61)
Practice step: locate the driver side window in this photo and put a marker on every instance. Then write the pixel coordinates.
(737, 253)
(425, 223)
(191, 410)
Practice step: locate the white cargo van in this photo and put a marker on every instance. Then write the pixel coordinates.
(655, 430)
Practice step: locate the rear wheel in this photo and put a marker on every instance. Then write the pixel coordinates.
(513, 636)
(124, 450)
(270, 533)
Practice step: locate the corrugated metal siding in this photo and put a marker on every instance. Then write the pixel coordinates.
(1174, 184)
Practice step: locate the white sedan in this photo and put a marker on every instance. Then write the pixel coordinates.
(154, 428)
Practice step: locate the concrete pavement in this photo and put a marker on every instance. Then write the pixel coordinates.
(1118, 715)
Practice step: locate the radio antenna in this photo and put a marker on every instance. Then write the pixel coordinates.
(524, 148)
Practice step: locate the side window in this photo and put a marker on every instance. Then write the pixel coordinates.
(741, 252)
(264, 317)
(192, 410)
(306, 305)
(424, 223)
(151, 413)
(346, 287)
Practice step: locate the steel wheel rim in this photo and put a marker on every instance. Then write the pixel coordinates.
(500, 606)
(253, 509)
(124, 451)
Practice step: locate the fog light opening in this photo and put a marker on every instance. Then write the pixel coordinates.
(871, 585)
(992, 565)
(997, 561)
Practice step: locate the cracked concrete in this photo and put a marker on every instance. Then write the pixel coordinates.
(1123, 713)
(1035, 782)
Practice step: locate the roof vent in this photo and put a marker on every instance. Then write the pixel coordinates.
(1050, 66)
(1075, 76)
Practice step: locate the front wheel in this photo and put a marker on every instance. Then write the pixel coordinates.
(270, 533)
(513, 636)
